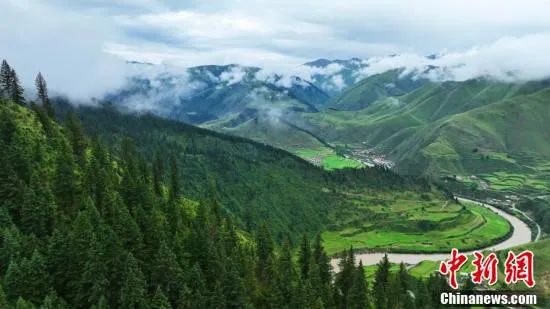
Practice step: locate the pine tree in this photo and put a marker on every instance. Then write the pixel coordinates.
(120, 220)
(42, 93)
(3, 298)
(52, 301)
(65, 180)
(5, 76)
(286, 276)
(134, 288)
(38, 209)
(304, 258)
(102, 303)
(160, 301)
(93, 283)
(344, 278)
(166, 272)
(422, 296)
(381, 280)
(264, 252)
(322, 259)
(357, 296)
(197, 287)
(57, 258)
(233, 288)
(23, 304)
(174, 179)
(158, 173)
(28, 279)
(76, 136)
(15, 89)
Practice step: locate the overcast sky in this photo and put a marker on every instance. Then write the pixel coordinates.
(80, 45)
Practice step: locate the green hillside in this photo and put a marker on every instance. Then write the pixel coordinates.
(254, 182)
(372, 88)
(494, 130)
(116, 220)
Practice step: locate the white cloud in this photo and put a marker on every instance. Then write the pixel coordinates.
(79, 44)
(232, 76)
(65, 46)
(507, 59)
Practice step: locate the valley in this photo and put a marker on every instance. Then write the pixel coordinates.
(161, 154)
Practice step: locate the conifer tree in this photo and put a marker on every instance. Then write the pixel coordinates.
(93, 283)
(381, 280)
(65, 181)
(23, 304)
(344, 278)
(166, 272)
(286, 275)
(357, 297)
(5, 76)
(233, 288)
(28, 279)
(53, 301)
(304, 258)
(3, 298)
(76, 135)
(42, 93)
(264, 251)
(158, 172)
(197, 287)
(174, 179)
(134, 287)
(15, 89)
(38, 209)
(160, 301)
(422, 296)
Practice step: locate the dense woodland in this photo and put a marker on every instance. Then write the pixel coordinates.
(97, 219)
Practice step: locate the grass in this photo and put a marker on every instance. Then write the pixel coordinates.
(408, 225)
(336, 162)
(326, 158)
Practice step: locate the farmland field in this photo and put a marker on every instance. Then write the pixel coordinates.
(326, 158)
(424, 224)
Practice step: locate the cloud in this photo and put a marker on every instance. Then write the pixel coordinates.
(232, 76)
(81, 46)
(65, 46)
(507, 59)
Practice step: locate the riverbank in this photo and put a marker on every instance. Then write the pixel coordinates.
(521, 235)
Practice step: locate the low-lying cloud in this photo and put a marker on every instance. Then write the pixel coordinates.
(510, 59)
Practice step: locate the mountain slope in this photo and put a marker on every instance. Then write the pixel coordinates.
(253, 181)
(372, 88)
(212, 92)
(478, 127)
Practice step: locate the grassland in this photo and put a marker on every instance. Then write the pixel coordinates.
(414, 223)
(327, 158)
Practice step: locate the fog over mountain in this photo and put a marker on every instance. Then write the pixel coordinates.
(94, 39)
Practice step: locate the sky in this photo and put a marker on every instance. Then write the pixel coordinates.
(81, 46)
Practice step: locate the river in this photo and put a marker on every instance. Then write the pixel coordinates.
(521, 235)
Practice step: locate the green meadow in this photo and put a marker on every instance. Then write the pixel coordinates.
(404, 224)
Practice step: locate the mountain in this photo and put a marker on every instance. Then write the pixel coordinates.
(333, 76)
(477, 127)
(253, 181)
(92, 222)
(391, 83)
(211, 92)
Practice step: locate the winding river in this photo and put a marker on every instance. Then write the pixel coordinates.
(521, 235)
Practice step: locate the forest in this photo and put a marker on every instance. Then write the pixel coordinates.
(96, 216)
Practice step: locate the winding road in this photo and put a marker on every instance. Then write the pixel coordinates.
(521, 235)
